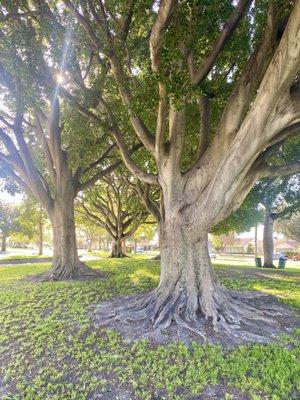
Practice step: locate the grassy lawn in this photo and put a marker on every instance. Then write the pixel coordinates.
(50, 350)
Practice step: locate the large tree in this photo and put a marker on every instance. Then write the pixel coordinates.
(115, 206)
(47, 147)
(32, 222)
(280, 198)
(241, 71)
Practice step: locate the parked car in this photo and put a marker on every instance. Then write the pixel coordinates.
(296, 257)
(212, 255)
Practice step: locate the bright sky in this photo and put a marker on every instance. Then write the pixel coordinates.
(8, 198)
(260, 228)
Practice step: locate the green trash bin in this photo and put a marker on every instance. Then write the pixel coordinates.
(281, 263)
(258, 262)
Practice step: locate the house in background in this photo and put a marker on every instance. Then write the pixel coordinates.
(238, 245)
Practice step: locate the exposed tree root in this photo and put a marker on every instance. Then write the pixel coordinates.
(241, 316)
(61, 272)
(269, 266)
(120, 255)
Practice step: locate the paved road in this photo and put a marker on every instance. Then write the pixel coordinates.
(25, 261)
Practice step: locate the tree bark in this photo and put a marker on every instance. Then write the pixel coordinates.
(118, 250)
(187, 283)
(268, 243)
(66, 263)
(3, 243)
(188, 289)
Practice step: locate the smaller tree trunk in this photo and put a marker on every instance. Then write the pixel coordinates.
(255, 242)
(268, 243)
(41, 236)
(66, 263)
(118, 249)
(89, 246)
(3, 243)
(135, 245)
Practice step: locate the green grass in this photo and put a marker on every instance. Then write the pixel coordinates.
(48, 349)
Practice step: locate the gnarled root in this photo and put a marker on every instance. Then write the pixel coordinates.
(242, 317)
(60, 272)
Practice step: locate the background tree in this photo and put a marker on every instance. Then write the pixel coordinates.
(93, 232)
(115, 206)
(32, 222)
(248, 102)
(280, 199)
(270, 199)
(291, 226)
(49, 152)
(146, 231)
(279, 196)
(8, 222)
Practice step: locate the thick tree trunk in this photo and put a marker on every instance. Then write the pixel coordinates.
(188, 289)
(3, 243)
(268, 243)
(118, 249)
(66, 263)
(187, 282)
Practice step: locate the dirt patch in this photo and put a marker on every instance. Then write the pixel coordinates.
(219, 392)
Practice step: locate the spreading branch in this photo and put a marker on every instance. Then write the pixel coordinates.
(204, 125)
(165, 12)
(198, 75)
(267, 170)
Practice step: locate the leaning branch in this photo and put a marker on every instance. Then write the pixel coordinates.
(133, 168)
(267, 170)
(198, 75)
(250, 78)
(204, 125)
(165, 12)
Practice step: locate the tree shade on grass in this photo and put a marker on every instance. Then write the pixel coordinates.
(162, 74)
(49, 346)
